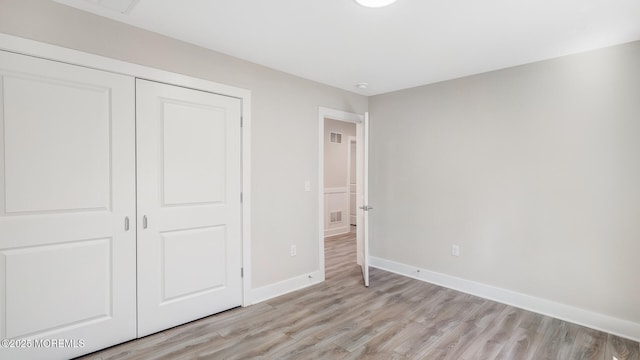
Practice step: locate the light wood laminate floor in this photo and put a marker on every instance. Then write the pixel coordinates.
(395, 318)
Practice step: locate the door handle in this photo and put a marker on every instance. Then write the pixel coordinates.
(366, 207)
(126, 223)
(144, 222)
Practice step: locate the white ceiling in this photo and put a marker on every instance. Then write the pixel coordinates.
(410, 43)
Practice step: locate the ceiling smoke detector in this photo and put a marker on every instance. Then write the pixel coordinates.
(375, 3)
(362, 85)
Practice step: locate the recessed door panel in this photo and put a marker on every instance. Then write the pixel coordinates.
(194, 262)
(67, 183)
(46, 138)
(75, 278)
(189, 244)
(194, 153)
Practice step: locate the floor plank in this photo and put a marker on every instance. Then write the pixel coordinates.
(621, 349)
(590, 345)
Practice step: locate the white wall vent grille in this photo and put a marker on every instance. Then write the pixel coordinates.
(335, 216)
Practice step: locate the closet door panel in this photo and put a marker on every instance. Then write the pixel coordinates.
(67, 183)
(189, 211)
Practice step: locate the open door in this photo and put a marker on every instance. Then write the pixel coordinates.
(362, 159)
(362, 168)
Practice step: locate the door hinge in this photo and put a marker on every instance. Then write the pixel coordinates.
(241, 197)
(241, 121)
(241, 272)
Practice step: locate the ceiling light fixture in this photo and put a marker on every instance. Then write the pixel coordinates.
(362, 85)
(375, 3)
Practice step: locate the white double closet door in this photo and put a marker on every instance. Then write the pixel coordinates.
(119, 207)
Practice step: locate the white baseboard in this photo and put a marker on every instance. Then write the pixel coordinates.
(336, 190)
(337, 231)
(609, 324)
(267, 292)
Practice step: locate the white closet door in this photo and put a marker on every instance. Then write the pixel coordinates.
(67, 183)
(189, 240)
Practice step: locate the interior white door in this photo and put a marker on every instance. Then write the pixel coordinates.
(67, 186)
(189, 205)
(362, 165)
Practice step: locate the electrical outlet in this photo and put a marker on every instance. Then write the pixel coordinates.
(455, 250)
(293, 250)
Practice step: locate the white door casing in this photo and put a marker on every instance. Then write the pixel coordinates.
(189, 209)
(67, 184)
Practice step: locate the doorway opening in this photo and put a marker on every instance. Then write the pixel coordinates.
(339, 177)
(342, 156)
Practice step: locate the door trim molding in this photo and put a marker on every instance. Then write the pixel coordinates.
(323, 113)
(74, 57)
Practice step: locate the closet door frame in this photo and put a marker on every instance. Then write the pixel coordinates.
(51, 52)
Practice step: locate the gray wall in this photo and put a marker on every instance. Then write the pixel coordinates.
(284, 123)
(533, 170)
(335, 155)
